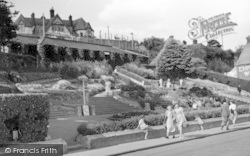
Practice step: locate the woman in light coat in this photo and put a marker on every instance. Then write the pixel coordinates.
(180, 119)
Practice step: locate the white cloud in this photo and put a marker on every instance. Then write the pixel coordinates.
(163, 18)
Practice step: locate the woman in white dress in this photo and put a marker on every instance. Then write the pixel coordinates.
(180, 119)
(168, 121)
(233, 112)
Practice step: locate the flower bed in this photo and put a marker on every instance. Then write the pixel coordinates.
(152, 120)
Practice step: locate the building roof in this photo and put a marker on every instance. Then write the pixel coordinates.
(26, 39)
(80, 24)
(244, 58)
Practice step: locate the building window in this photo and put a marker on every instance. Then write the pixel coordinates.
(81, 34)
(57, 28)
(21, 27)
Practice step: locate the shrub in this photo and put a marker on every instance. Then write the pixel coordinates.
(95, 88)
(133, 90)
(152, 120)
(201, 92)
(141, 71)
(77, 68)
(122, 116)
(69, 71)
(29, 113)
(11, 61)
(35, 76)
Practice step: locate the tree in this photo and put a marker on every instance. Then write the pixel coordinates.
(154, 45)
(175, 63)
(7, 27)
(214, 43)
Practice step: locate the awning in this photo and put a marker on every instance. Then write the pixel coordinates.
(87, 46)
(28, 39)
(25, 39)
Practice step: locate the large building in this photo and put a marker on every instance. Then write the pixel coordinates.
(50, 39)
(54, 26)
(243, 63)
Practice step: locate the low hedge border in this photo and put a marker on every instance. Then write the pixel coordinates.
(127, 136)
(152, 120)
(27, 113)
(231, 81)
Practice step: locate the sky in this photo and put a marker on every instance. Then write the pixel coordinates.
(145, 18)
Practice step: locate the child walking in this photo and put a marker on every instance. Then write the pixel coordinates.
(200, 121)
(143, 126)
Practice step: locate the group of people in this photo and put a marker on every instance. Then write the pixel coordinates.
(175, 119)
(228, 112)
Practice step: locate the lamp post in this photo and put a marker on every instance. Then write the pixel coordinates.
(83, 93)
(132, 41)
(108, 35)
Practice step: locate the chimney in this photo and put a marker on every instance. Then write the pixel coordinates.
(33, 19)
(248, 39)
(52, 12)
(70, 21)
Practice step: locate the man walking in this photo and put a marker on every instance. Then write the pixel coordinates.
(225, 113)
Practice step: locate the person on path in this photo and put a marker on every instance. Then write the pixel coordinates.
(225, 113)
(169, 121)
(180, 119)
(200, 121)
(233, 112)
(143, 126)
(195, 105)
(239, 89)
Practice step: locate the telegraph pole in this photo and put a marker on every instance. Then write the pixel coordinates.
(132, 41)
(108, 34)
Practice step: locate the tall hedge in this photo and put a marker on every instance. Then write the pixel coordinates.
(27, 113)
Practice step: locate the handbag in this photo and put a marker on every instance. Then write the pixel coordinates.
(185, 124)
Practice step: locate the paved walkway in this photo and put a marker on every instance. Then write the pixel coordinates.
(154, 143)
(235, 143)
(66, 128)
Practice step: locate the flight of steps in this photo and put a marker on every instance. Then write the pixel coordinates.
(58, 112)
(109, 105)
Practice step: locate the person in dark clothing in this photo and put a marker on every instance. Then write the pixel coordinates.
(225, 113)
(239, 89)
